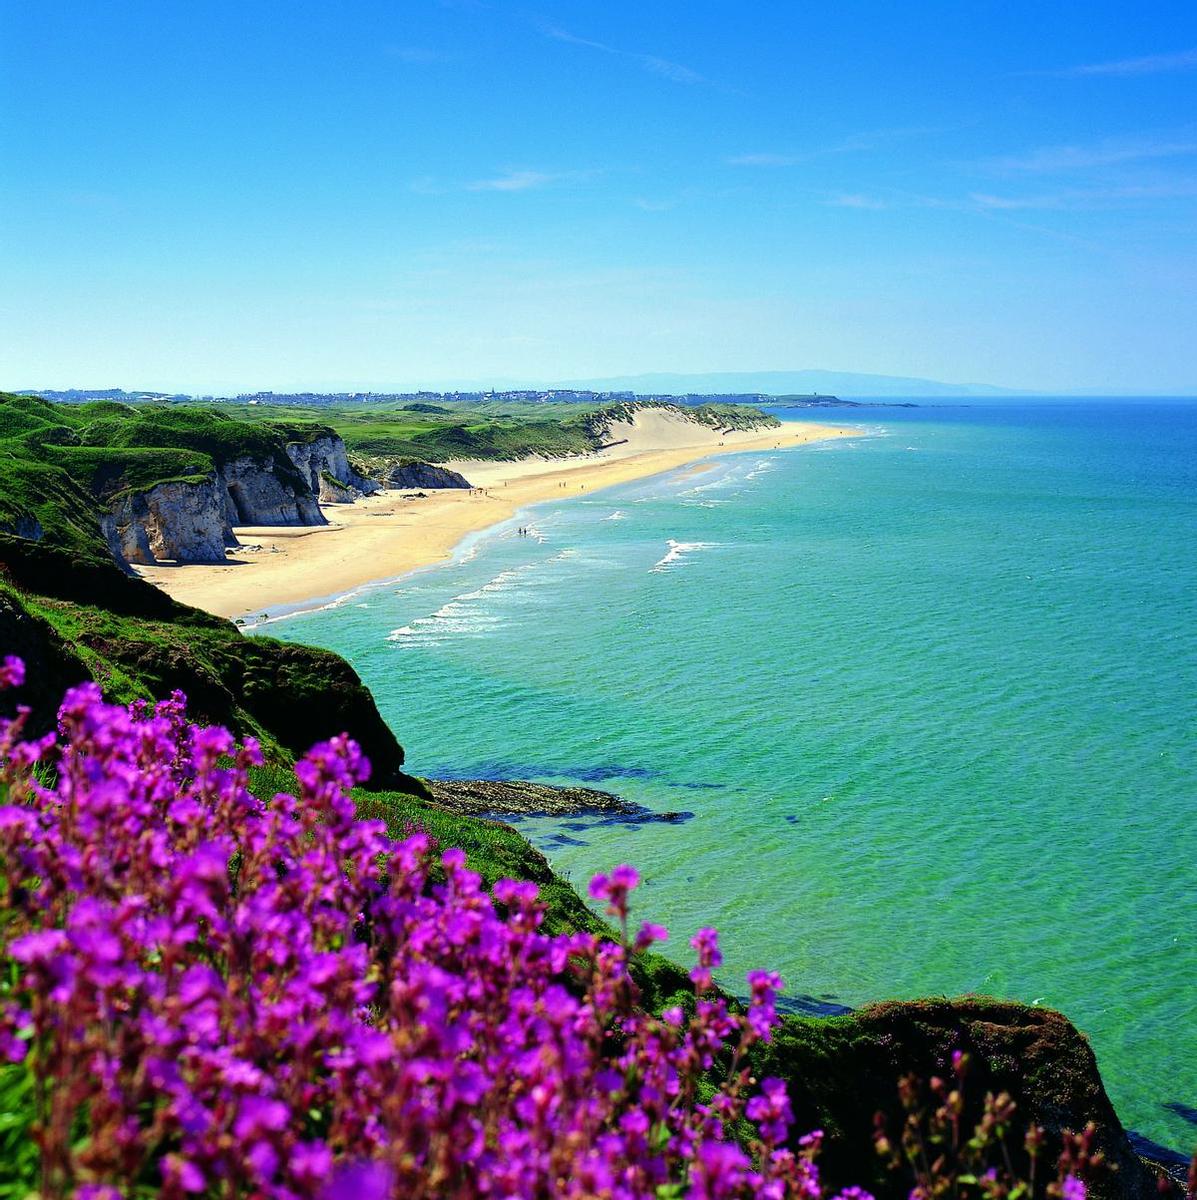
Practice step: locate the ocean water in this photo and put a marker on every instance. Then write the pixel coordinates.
(930, 694)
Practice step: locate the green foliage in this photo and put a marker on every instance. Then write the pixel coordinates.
(106, 472)
(23, 415)
(18, 1152)
(301, 430)
(107, 447)
(214, 433)
(487, 439)
(62, 464)
(40, 500)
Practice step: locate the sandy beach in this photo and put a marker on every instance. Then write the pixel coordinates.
(391, 533)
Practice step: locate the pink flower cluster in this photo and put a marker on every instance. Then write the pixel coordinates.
(215, 995)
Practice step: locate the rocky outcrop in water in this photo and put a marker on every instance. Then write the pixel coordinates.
(520, 798)
(422, 475)
(325, 467)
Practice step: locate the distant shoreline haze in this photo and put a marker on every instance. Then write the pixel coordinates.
(748, 385)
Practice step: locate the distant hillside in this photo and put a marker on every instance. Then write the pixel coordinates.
(380, 436)
(785, 383)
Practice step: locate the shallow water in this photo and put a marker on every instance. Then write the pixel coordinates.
(931, 694)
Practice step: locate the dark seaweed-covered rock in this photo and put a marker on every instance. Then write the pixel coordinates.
(520, 798)
(486, 797)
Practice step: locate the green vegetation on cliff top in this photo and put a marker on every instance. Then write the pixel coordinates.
(487, 430)
(72, 613)
(60, 462)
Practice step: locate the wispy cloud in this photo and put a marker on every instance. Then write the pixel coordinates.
(998, 213)
(653, 63)
(856, 200)
(563, 35)
(514, 181)
(511, 179)
(857, 143)
(1087, 199)
(1014, 203)
(1108, 153)
(1151, 64)
(653, 206)
(527, 180)
(670, 70)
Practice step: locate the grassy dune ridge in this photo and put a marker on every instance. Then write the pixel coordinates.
(377, 433)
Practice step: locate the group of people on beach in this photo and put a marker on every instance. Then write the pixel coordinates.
(523, 531)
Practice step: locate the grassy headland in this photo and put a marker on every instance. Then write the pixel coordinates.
(71, 610)
(72, 613)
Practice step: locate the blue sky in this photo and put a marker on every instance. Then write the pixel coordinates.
(227, 196)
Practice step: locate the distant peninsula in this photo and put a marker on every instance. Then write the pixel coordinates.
(853, 384)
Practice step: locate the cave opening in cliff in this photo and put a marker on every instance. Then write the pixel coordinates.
(237, 495)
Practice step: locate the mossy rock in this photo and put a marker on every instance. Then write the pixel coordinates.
(843, 1070)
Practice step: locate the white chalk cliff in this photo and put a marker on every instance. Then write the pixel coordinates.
(187, 521)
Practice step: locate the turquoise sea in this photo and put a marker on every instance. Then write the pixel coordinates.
(930, 694)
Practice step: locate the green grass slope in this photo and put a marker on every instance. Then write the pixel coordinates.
(105, 448)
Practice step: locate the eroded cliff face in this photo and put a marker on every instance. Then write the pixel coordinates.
(423, 475)
(26, 527)
(181, 522)
(258, 493)
(325, 467)
(193, 521)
